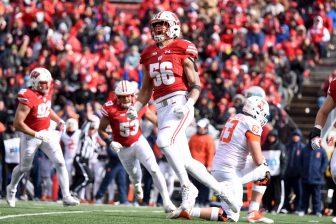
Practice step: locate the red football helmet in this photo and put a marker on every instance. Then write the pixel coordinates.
(165, 25)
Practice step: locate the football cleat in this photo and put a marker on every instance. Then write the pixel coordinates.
(189, 195)
(258, 217)
(70, 201)
(169, 207)
(10, 197)
(179, 213)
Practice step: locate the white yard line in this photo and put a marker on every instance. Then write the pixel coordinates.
(42, 213)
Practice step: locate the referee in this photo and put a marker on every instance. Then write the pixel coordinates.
(88, 145)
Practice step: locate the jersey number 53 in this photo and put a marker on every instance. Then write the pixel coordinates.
(130, 128)
(162, 73)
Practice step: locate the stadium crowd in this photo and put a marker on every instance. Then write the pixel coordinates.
(88, 46)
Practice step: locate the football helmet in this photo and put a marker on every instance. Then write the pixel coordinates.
(94, 121)
(258, 108)
(71, 124)
(124, 89)
(40, 75)
(254, 91)
(171, 20)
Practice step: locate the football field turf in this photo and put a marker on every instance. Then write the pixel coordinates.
(50, 212)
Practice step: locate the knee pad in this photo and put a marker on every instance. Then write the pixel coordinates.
(260, 189)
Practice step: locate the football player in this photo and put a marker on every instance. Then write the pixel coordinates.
(129, 143)
(32, 119)
(170, 75)
(240, 138)
(69, 143)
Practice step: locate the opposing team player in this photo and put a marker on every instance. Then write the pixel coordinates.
(240, 138)
(130, 144)
(170, 74)
(32, 119)
(69, 142)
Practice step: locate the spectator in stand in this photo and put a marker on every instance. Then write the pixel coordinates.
(314, 164)
(320, 36)
(293, 174)
(202, 148)
(274, 152)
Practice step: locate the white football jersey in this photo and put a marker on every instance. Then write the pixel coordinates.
(232, 149)
(70, 144)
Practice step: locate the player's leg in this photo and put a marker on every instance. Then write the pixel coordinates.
(169, 127)
(28, 146)
(251, 172)
(146, 156)
(234, 188)
(333, 166)
(54, 152)
(132, 166)
(210, 213)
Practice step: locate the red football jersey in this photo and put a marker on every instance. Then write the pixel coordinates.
(39, 116)
(332, 89)
(124, 130)
(165, 66)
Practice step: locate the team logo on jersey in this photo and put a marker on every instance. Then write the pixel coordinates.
(154, 53)
(318, 155)
(255, 129)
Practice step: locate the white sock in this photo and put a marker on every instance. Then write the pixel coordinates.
(63, 177)
(17, 174)
(254, 206)
(195, 212)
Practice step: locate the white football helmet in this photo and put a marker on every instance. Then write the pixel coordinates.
(258, 108)
(71, 124)
(174, 26)
(254, 91)
(40, 75)
(125, 88)
(94, 121)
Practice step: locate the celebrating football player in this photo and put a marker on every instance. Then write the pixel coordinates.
(170, 74)
(32, 119)
(130, 144)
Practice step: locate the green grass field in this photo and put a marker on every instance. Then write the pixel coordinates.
(46, 213)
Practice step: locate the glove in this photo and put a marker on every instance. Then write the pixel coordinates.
(43, 135)
(116, 146)
(181, 110)
(267, 179)
(61, 125)
(315, 139)
(132, 113)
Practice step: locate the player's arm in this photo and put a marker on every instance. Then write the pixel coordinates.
(21, 114)
(151, 116)
(320, 120)
(253, 143)
(191, 72)
(324, 111)
(145, 92)
(104, 122)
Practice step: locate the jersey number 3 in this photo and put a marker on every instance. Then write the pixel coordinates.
(228, 131)
(162, 73)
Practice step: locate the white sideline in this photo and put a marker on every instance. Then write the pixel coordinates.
(42, 213)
